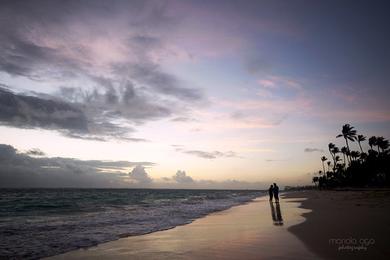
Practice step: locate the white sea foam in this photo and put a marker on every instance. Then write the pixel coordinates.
(37, 233)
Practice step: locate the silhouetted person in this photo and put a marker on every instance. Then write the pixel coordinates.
(271, 192)
(276, 214)
(276, 192)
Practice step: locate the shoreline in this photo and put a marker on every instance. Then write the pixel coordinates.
(244, 231)
(345, 224)
(104, 217)
(310, 219)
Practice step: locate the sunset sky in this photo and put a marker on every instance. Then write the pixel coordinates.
(186, 94)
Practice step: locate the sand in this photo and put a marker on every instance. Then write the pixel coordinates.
(306, 225)
(257, 230)
(346, 224)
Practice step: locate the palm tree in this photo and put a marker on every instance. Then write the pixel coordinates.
(363, 156)
(379, 140)
(344, 151)
(323, 159)
(361, 138)
(335, 151)
(349, 133)
(337, 159)
(315, 180)
(372, 141)
(328, 163)
(382, 143)
(337, 165)
(330, 147)
(355, 155)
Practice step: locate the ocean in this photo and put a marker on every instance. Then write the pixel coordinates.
(35, 223)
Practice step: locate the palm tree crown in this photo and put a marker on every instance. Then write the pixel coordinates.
(330, 147)
(372, 141)
(382, 143)
(349, 133)
(344, 152)
(323, 159)
(358, 169)
(361, 138)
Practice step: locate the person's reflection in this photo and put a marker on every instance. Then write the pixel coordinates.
(276, 214)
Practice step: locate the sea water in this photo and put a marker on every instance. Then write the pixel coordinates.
(35, 223)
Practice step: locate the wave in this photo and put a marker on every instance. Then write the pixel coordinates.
(49, 227)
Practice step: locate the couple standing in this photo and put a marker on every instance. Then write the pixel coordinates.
(273, 192)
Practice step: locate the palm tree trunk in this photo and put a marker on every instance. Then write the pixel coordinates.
(323, 166)
(349, 151)
(345, 163)
(331, 154)
(334, 160)
(360, 147)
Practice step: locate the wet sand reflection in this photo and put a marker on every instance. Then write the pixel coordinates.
(276, 213)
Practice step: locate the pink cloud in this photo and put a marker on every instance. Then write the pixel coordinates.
(267, 83)
(279, 82)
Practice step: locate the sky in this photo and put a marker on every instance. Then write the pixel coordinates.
(186, 94)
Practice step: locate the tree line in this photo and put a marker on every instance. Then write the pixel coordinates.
(346, 167)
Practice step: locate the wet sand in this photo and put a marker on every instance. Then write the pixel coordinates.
(257, 230)
(346, 224)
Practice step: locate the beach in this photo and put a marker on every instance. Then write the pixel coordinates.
(345, 224)
(305, 225)
(256, 230)
(246, 231)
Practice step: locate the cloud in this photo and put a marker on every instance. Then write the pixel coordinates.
(262, 120)
(140, 176)
(35, 152)
(159, 81)
(94, 122)
(280, 82)
(28, 111)
(276, 160)
(205, 154)
(181, 119)
(181, 177)
(257, 66)
(22, 170)
(311, 150)
(182, 180)
(106, 87)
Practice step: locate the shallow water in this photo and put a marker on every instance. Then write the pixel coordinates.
(36, 223)
(257, 230)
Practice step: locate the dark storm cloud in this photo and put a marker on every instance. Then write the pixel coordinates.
(28, 111)
(125, 102)
(73, 119)
(22, 170)
(311, 150)
(122, 102)
(21, 57)
(50, 40)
